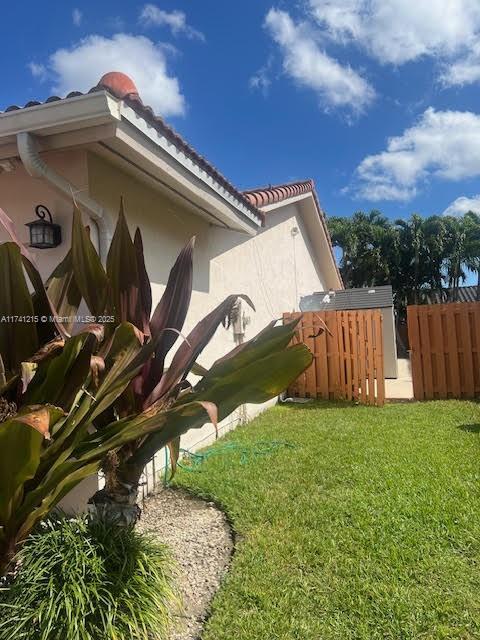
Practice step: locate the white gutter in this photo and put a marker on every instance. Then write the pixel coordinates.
(37, 168)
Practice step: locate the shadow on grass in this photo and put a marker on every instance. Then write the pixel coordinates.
(471, 428)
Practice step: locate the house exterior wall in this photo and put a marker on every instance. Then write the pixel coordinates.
(225, 262)
(273, 268)
(20, 193)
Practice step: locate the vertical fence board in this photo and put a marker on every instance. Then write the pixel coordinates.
(348, 356)
(445, 350)
(379, 368)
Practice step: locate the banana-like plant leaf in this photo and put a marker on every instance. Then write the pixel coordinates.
(43, 306)
(272, 338)
(257, 382)
(122, 272)
(60, 378)
(144, 280)
(174, 450)
(20, 448)
(18, 333)
(63, 291)
(196, 341)
(47, 498)
(9, 227)
(21, 439)
(88, 270)
(124, 361)
(171, 312)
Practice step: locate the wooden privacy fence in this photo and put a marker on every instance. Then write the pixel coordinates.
(445, 350)
(348, 356)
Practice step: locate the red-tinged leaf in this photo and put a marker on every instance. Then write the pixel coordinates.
(174, 449)
(122, 272)
(98, 330)
(212, 411)
(9, 227)
(48, 350)
(43, 306)
(145, 289)
(63, 291)
(171, 312)
(18, 339)
(40, 418)
(189, 351)
(97, 366)
(88, 271)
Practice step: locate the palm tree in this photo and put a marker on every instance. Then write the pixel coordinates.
(456, 253)
(472, 245)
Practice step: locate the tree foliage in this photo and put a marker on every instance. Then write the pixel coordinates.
(414, 255)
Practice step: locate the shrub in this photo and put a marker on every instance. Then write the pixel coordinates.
(83, 580)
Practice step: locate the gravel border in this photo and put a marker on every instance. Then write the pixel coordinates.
(202, 544)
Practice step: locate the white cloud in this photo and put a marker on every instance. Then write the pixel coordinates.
(464, 70)
(442, 144)
(77, 17)
(261, 78)
(307, 63)
(463, 204)
(81, 66)
(398, 31)
(38, 71)
(152, 16)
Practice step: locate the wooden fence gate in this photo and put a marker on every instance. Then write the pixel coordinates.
(445, 350)
(348, 356)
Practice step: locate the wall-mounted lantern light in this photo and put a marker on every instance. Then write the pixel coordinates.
(44, 234)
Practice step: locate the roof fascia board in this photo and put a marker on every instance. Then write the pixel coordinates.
(285, 201)
(131, 144)
(318, 234)
(160, 141)
(61, 116)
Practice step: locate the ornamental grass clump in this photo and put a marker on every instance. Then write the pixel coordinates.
(82, 580)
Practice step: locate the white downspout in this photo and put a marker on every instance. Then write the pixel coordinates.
(37, 168)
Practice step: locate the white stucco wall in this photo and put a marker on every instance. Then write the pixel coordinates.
(263, 266)
(273, 268)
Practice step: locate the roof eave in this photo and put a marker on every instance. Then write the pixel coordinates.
(99, 116)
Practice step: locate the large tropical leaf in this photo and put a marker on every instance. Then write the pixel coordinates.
(257, 382)
(18, 334)
(9, 227)
(63, 291)
(194, 344)
(122, 272)
(170, 313)
(21, 440)
(49, 323)
(60, 378)
(89, 273)
(145, 288)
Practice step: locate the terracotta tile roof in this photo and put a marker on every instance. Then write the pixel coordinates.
(122, 87)
(269, 195)
(264, 196)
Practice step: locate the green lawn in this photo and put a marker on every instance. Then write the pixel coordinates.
(368, 528)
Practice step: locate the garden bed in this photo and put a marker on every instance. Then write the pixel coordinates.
(201, 542)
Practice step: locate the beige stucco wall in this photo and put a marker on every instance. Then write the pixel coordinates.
(273, 268)
(225, 261)
(20, 193)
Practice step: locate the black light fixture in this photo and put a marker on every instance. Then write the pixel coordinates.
(44, 234)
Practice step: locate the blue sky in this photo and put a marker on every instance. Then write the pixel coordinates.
(377, 100)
